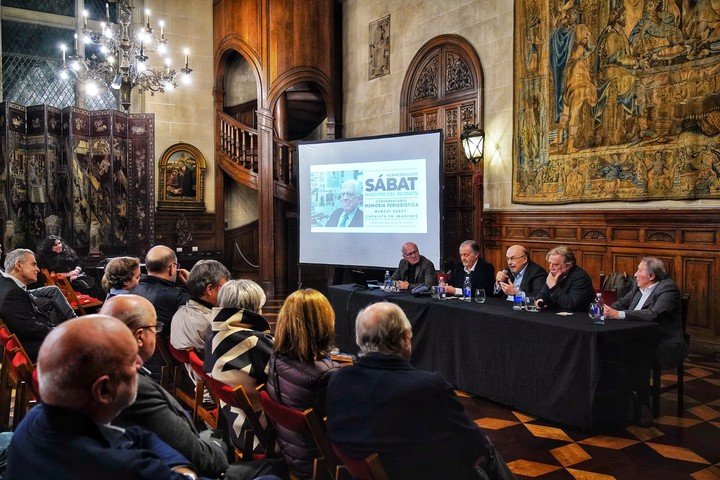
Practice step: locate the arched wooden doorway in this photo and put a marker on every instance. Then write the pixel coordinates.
(443, 88)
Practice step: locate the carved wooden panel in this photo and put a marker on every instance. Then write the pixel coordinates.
(451, 152)
(427, 82)
(457, 73)
(685, 240)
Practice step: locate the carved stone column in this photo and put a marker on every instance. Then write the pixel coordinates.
(266, 204)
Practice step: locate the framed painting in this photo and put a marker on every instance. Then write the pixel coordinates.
(182, 174)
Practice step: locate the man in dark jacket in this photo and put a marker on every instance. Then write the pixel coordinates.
(567, 286)
(414, 269)
(481, 272)
(411, 418)
(156, 410)
(18, 309)
(522, 275)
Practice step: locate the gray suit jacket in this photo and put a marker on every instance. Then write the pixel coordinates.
(424, 273)
(664, 306)
(156, 410)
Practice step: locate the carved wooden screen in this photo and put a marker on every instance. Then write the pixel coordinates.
(443, 90)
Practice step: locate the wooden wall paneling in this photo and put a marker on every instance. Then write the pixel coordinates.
(202, 228)
(623, 263)
(593, 262)
(699, 280)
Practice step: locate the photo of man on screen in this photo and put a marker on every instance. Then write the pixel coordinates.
(348, 215)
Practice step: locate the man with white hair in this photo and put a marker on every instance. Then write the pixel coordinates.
(411, 418)
(348, 215)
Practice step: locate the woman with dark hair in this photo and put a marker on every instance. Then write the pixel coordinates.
(59, 258)
(300, 368)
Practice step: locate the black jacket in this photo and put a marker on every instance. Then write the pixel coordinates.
(23, 317)
(165, 295)
(573, 292)
(482, 277)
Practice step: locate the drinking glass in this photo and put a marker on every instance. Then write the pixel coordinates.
(530, 304)
(440, 292)
(480, 295)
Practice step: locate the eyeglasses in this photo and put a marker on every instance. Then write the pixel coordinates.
(347, 194)
(177, 265)
(410, 254)
(516, 257)
(157, 328)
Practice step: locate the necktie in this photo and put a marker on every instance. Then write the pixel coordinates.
(343, 220)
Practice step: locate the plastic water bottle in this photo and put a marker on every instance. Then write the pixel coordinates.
(518, 300)
(387, 281)
(467, 289)
(598, 307)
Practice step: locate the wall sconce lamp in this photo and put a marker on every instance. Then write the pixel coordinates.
(473, 141)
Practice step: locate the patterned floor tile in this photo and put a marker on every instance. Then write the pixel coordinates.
(523, 418)
(548, 432)
(571, 454)
(676, 421)
(583, 475)
(644, 434)
(710, 473)
(677, 453)
(495, 423)
(698, 372)
(615, 443)
(705, 412)
(531, 469)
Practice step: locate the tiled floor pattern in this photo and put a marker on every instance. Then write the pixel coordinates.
(686, 447)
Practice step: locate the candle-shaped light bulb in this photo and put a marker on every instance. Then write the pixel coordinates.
(147, 18)
(63, 47)
(162, 30)
(187, 56)
(85, 18)
(107, 11)
(76, 44)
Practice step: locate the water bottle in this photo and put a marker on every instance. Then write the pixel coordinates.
(598, 308)
(518, 300)
(387, 281)
(467, 289)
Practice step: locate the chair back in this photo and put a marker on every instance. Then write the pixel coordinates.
(369, 468)
(78, 301)
(685, 305)
(441, 276)
(179, 355)
(307, 423)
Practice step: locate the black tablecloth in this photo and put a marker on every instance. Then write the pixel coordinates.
(561, 368)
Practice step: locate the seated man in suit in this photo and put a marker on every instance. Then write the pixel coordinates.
(154, 409)
(349, 215)
(481, 273)
(522, 275)
(411, 418)
(567, 286)
(655, 298)
(414, 269)
(18, 308)
(87, 373)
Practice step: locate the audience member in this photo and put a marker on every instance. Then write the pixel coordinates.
(191, 323)
(159, 285)
(300, 368)
(414, 269)
(239, 347)
(567, 286)
(522, 275)
(122, 274)
(411, 418)
(18, 308)
(87, 373)
(348, 215)
(156, 410)
(58, 257)
(655, 298)
(481, 273)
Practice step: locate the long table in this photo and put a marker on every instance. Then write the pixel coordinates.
(561, 368)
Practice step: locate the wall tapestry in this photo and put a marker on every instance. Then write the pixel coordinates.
(616, 100)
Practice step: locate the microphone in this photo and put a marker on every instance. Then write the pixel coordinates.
(511, 277)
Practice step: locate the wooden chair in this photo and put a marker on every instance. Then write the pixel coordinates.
(236, 397)
(6, 387)
(194, 400)
(78, 301)
(306, 423)
(18, 372)
(369, 468)
(656, 388)
(172, 371)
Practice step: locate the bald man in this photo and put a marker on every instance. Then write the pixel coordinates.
(87, 373)
(414, 269)
(156, 410)
(521, 274)
(432, 437)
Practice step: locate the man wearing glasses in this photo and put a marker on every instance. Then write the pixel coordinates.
(349, 215)
(414, 269)
(522, 275)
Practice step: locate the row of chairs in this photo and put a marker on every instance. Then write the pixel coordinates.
(331, 464)
(79, 302)
(18, 380)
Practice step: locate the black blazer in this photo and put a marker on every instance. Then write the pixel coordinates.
(482, 277)
(23, 317)
(357, 220)
(533, 280)
(424, 273)
(664, 307)
(573, 292)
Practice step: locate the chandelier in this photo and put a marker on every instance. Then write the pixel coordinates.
(125, 63)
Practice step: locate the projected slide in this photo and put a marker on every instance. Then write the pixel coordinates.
(372, 197)
(361, 199)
